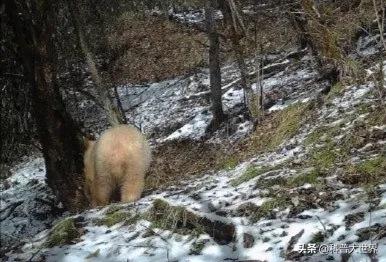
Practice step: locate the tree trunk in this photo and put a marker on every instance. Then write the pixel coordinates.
(115, 115)
(236, 31)
(303, 15)
(232, 18)
(214, 64)
(299, 22)
(60, 139)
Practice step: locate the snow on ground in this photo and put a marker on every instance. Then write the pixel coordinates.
(214, 196)
(27, 204)
(178, 108)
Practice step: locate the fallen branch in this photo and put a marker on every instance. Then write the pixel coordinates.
(177, 218)
(269, 71)
(9, 209)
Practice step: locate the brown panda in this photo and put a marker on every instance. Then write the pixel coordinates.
(116, 164)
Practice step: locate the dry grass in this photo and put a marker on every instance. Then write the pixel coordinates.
(153, 48)
(176, 161)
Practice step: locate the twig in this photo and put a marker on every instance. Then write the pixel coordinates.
(324, 227)
(155, 233)
(119, 104)
(380, 21)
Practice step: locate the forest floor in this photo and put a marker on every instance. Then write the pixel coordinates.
(312, 174)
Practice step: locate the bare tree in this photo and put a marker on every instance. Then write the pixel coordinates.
(115, 115)
(34, 25)
(237, 31)
(214, 64)
(380, 14)
(313, 33)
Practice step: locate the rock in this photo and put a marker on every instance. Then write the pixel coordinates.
(352, 219)
(304, 216)
(266, 239)
(248, 240)
(148, 233)
(247, 209)
(376, 230)
(341, 237)
(290, 254)
(221, 213)
(377, 134)
(283, 234)
(195, 196)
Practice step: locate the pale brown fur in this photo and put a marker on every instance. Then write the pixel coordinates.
(118, 160)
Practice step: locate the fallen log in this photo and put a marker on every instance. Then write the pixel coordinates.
(179, 219)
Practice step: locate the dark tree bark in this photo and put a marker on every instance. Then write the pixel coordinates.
(33, 25)
(214, 64)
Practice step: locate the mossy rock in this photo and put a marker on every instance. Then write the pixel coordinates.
(174, 218)
(246, 209)
(64, 232)
(179, 220)
(116, 216)
(197, 247)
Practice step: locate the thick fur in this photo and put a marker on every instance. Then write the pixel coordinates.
(117, 161)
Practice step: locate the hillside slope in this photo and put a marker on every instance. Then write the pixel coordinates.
(323, 181)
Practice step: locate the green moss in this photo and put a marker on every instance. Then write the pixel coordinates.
(325, 132)
(314, 137)
(174, 218)
(270, 182)
(252, 172)
(230, 163)
(336, 90)
(267, 208)
(309, 178)
(318, 238)
(64, 232)
(371, 171)
(325, 157)
(377, 117)
(112, 209)
(368, 173)
(197, 247)
(114, 217)
(290, 121)
(363, 109)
